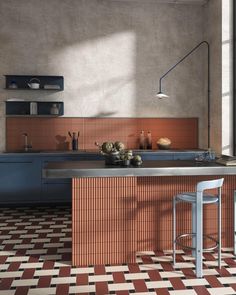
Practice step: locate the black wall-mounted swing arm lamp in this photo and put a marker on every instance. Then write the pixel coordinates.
(161, 95)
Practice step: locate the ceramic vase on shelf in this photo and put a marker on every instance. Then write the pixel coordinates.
(54, 110)
(33, 108)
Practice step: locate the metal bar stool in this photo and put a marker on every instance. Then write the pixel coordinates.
(197, 200)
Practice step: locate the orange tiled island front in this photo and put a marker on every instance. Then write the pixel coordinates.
(115, 216)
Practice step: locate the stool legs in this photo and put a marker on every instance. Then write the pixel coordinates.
(219, 232)
(199, 243)
(194, 228)
(197, 240)
(197, 229)
(174, 231)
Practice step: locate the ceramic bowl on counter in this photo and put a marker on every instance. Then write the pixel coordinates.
(164, 146)
(164, 143)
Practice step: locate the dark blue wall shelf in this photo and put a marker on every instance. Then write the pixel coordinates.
(47, 83)
(22, 108)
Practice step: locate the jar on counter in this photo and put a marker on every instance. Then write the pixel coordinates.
(54, 110)
(141, 140)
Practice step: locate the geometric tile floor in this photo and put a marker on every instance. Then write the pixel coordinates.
(35, 259)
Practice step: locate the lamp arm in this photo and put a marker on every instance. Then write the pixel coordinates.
(208, 83)
(183, 58)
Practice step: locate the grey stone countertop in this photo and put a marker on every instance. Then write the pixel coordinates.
(70, 169)
(95, 151)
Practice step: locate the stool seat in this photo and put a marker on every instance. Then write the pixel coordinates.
(192, 197)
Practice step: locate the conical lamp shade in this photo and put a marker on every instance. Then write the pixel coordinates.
(162, 95)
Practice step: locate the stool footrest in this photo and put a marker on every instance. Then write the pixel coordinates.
(209, 249)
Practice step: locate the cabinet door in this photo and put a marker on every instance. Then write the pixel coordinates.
(57, 192)
(20, 181)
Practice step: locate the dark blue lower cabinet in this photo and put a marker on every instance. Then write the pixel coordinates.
(56, 192)
(187, 156)
(20, 181)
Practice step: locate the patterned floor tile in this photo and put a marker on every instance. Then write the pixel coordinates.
(100, 278)
(35, 258)
(195, 282)
(221, 291)
(183, 292)
(122, 286)
(227, 280)
(159, 284)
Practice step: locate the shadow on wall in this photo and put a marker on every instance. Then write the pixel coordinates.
(105, 114)
(93, 43)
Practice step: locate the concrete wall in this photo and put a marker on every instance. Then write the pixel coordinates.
(111, 54)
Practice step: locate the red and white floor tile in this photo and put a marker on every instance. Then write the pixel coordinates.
(35, 258)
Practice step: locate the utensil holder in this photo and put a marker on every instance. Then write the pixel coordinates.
(75, 144)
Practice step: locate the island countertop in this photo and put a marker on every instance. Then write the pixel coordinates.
(78, 169)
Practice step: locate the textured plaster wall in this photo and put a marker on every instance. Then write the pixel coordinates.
(111, 54)
(213, 33)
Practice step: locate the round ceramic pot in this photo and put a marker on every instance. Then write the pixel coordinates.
(112, 158)
(163, 146)
(125, 162)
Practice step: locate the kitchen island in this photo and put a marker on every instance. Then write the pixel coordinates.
(117, 211)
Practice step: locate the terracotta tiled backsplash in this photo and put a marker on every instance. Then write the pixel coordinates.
(52, 133)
